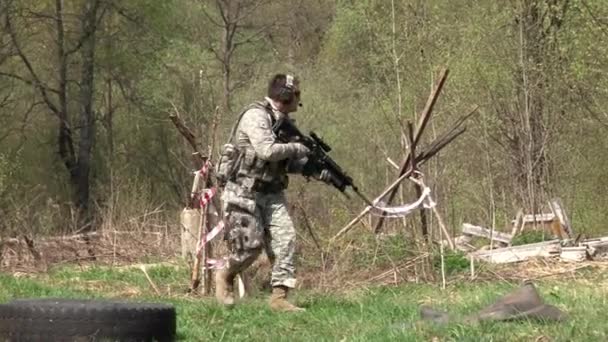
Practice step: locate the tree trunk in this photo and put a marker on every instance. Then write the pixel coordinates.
(531, 131)
(87, 119)
(65, 141)
(227, 49)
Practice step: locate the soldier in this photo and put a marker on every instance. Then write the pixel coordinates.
(255, 171)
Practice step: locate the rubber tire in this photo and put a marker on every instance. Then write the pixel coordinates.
(86, 320)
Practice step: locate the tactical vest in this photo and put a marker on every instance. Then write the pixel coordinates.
(239, 164)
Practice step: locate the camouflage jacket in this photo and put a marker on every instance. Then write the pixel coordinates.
(264, 158)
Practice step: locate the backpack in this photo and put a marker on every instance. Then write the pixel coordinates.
(231, 155)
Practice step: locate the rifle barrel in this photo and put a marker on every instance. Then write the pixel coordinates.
(362, 196)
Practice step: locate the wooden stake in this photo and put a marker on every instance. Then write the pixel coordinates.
(444, 229)
(143, 269)
(414, 168)
(442, 266)
(472, 263)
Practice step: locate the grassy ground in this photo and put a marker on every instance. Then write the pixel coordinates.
(370, 314)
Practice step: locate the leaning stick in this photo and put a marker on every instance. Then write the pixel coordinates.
(367, 209)
(143, 269)
(444, 230)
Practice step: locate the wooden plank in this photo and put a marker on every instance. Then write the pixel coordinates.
(517, 223)
(470, 229)
(519, 253)
(539, 218)
(558, 209)
(595, 246)
(575, 254)
(594, 242)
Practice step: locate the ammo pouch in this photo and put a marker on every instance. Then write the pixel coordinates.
(268, 177)
(239, 197)
(229, 160)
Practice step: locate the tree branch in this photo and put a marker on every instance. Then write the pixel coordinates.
(26, 81)
(37, 83)
(210, 18)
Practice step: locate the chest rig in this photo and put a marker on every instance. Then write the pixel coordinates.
(239, 164)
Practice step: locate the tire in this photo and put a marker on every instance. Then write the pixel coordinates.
(86, 320)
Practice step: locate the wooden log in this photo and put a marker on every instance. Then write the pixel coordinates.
(469, 229)
(519, 253)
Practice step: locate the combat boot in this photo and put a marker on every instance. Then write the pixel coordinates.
(278, 300)
(224, 287)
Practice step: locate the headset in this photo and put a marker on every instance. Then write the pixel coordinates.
(287, 94)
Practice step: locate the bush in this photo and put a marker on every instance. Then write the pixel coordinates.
(454, 261)
(531, 236)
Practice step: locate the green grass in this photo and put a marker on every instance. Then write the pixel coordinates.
(369, 314)
(531, 236)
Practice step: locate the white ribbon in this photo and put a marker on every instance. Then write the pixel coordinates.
(425, 201)
(212, 234)
(215, 264)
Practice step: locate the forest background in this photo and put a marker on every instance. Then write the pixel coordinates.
(87, 87)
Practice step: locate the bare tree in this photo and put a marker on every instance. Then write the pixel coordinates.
(53, 88)
(528, 122)
(236, 21)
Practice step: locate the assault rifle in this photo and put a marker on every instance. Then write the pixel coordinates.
(319, 163)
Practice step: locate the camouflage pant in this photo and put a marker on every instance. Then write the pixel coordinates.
(269, 228)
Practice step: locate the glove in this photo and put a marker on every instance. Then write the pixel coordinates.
(325, 176)
(301, 151)
(328, 177)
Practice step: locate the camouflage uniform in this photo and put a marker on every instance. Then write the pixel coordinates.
(254, 201)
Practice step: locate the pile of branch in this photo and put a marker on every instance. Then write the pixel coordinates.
(29, 253)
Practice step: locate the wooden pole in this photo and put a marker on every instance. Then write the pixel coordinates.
(208, 250)
(414, 168)
(196, 267)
